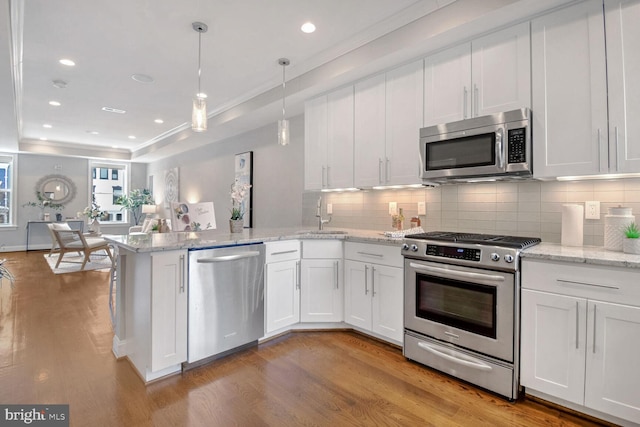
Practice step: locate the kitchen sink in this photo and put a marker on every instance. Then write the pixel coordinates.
(322, 232)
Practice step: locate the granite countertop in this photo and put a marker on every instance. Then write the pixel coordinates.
(596, 255)
(216, 238)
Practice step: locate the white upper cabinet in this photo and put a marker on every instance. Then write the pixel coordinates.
(623, 64)
(329, 141)
(370, 151)
(570, 67)
(489, 75)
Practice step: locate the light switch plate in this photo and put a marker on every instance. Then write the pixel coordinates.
(329, 208)
(422, 208)
(592, 209)
(393, 208)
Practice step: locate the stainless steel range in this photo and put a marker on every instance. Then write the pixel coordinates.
(462, 306)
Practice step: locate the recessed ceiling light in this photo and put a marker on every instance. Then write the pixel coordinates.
(67, 62)
(113, 110)
(54, 103)
(132, 137)
(47, 125)
(142, 78)
(159, 121)
(93, 132)
(60, 84)
(308, 27)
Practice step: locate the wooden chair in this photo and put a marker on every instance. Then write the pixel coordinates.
(74, 241)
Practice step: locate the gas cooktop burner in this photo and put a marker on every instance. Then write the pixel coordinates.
(475, 238)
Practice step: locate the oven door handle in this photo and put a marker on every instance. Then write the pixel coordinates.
(462, 274)
(465, 361)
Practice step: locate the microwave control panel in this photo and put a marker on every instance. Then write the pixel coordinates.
(516, 143)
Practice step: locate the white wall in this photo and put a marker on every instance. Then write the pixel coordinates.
(206, 174)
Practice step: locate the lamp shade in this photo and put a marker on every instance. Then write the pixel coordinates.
(199, 115)
(148, 209)
(283, 132)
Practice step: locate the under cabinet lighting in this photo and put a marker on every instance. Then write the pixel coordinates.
(604, 176)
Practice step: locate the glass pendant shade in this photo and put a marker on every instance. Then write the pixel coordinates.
(199, 115)
(283, 132)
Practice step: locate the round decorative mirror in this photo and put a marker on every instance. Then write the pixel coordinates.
(57, 188)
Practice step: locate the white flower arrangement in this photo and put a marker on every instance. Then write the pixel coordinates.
(239, 191)
(94, 212)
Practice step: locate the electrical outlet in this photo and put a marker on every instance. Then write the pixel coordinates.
(592, 209)
(393, 208)
(422, 208)
(329, 208)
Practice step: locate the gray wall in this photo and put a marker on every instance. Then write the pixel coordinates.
(29, 169)
(206, 174)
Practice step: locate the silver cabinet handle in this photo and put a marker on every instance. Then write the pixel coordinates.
(335, 267)
(475, 99)
(366, 274)
(285, 252)
(373, 281)
(370, 254)
(386, 170)
(181, 273)
(298, 274)
(464, 102)
(225, 258)
(323, 172)
(594, 328)
(599, 152)
(380, 170)
(328, 176)
(577, 324)
(615, 130)
(572, 282)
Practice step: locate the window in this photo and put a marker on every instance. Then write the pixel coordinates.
(105, 193)
(6, 184)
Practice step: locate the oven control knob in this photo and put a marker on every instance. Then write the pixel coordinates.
(405, 247)
(414, 248)
(495, 257)
(508, 258)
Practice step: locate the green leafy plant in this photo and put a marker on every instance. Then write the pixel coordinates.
(632, 231)
(134, 201)
(43, 203)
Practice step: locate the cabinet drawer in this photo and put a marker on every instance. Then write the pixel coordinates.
(282, 251)
(321, 249)
(610, 284)
(373, 253)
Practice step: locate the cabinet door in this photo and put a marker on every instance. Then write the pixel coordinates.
(404, 95)
(613, 372)
(553, 344)
(369, 130)
(387, 301)
(357, 294)
(282, 294)
(569, 92)
(623, 64)
(321, 291)
(501, 71)
(339, 173)
(447, 86)
(315, 143)
(168, 309)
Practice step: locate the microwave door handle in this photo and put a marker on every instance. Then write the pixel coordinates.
(500, 148)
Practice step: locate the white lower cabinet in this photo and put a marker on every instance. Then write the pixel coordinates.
(581, 336)
(374, 289)
(321, 294)
(168, 309)
(282, 285)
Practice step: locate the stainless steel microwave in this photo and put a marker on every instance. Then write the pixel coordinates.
(497, 146)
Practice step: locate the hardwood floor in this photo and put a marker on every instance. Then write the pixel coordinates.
(55, 347)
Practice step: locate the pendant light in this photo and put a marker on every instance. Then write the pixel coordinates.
(199, 113)
(283, 125)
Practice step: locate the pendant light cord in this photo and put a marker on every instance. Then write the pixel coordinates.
(199, 57)
(283, 91)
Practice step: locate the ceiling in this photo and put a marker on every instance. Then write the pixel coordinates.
(112, 40)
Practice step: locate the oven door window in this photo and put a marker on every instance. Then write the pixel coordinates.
(465, 152)
(467, 306)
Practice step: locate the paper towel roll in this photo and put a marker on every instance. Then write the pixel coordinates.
(572, 225)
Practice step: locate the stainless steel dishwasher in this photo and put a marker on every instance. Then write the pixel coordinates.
(226, 300)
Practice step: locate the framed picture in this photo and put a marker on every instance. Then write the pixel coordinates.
(171, 187)
(192, 216)
(244, 175)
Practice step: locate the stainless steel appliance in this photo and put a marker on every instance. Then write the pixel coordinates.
(497, 146)
(226, 300)
(462, 299)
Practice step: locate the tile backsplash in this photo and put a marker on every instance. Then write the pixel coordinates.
(532, 208)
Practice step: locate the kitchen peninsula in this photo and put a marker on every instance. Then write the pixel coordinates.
(152, 288)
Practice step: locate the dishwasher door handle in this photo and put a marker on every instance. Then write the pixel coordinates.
(225, 258)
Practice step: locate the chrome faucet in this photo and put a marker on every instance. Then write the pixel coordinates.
(321, 222)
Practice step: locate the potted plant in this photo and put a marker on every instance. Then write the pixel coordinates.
(93, 213)
(631, 245)
(239, 192)
(43, 203)
(134, 201)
